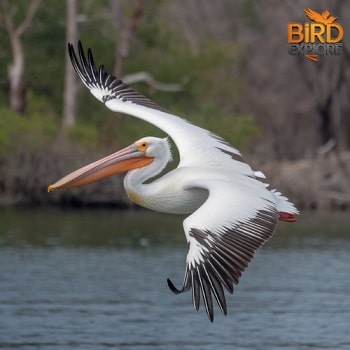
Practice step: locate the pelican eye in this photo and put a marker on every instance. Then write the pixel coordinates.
(142, 146)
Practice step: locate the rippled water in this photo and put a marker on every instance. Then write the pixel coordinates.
(97, 280)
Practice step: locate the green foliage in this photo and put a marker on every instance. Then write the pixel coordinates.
(212, 87)
(44, 46)
(31, 131)
(85, 134)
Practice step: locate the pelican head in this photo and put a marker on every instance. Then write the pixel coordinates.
(151, 152)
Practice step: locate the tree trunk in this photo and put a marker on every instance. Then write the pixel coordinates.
(128, 29)
(15, 72)
(70, 81)
(17, 89)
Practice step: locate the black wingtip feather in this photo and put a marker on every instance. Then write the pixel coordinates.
(195, 290)
(97, 77)
(173, 288)
(216, 288)
(92, 65)
(206, 293)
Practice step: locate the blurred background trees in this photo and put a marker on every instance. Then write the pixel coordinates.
(15, 31)
(221, 64)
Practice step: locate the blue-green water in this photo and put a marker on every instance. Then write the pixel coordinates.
(97, 280)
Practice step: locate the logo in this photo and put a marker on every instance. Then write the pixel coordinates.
(321, 36)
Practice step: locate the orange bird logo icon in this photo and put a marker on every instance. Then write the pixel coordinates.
(323, 17)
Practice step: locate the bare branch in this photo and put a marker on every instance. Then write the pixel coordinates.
(148, 78)
(33, 6)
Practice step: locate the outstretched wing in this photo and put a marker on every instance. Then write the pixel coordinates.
(223, 234)
(313, 15)
(119, 97)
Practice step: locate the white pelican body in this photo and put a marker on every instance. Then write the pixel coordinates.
(167, 194)
(232, 213)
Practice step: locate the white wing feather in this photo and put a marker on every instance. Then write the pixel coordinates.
(118, 97)
(223, 234)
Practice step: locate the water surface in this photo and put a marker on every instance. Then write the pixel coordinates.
(96, 279)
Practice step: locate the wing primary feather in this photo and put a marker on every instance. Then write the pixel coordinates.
(76, 64)
(235, 259)
(105, 76)
(84, 63)
(92, 65)
(218, 274)
(242, 243)
(110, 79)
(231, 275)
(114, 84)
(121, 87)
(173, 288)
(239, 249)
(185, 287)
(195, 289)
(100, 74)
(216, 288)
(99, 78)
(228, 262)
(206, 294)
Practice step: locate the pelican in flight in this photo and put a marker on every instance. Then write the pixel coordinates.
(231, 211)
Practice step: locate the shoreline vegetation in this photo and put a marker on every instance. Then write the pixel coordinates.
(320, 183)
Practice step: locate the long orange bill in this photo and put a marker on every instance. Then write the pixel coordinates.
(119, 162)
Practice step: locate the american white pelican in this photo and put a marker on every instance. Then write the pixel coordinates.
(232, 213)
